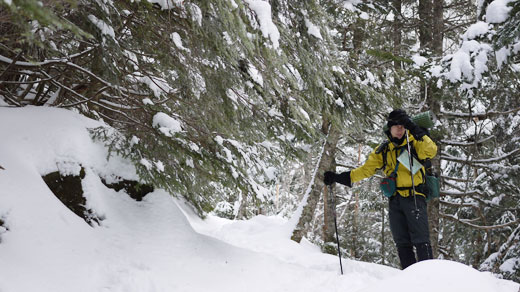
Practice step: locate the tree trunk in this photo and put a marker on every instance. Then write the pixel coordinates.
(329, 205)
(383, 241)
(425, 39)
(431, 43)
(355, 227)
(396, 32)
(438, 27)
(329, 201)
(327, 162)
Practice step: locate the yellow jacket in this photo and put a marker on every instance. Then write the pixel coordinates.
(425, 148)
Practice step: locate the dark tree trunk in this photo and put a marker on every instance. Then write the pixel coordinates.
(431, 38)
(396, 32)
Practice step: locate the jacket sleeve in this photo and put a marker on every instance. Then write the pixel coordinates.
(425, 148)
(373, 163)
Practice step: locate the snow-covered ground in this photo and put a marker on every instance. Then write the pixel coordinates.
(159, 244)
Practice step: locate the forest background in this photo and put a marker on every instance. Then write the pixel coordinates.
(240, 106)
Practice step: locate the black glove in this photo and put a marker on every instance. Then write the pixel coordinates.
(329, 177)
(407, 122)
(416, 131)
(343, 178)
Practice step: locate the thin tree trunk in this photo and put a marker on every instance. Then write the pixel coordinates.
(329, 201)
(425, 39)
(433, 43)
(326, 162)
(438, 27)
(355, 227)
(396, 32)
(383, 241)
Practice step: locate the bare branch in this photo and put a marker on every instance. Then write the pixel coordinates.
(11, 98)
(85, 99)
(13, 62)
(28, 82)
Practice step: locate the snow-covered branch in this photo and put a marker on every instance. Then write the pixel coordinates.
(463, 144)
(467, 222)
(481, 116)
(474, 161)
(14, 61)
(451, 204)
(460, 194)
(445, 177)
(491, 262)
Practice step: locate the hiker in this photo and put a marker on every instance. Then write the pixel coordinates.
(407, 205)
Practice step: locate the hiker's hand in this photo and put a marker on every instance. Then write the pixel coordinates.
(407, 122)
(343, 178)
(415, 130)
(329, 177)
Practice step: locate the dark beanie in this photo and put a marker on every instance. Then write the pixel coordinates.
(394, 117)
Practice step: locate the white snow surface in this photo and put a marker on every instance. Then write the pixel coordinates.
(159, 244)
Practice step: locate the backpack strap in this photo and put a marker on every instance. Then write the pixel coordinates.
(383, 148)
(394, 173)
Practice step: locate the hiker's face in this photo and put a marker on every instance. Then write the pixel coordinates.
(397, 131)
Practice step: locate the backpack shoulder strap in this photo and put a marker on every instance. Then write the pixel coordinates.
(383, 148)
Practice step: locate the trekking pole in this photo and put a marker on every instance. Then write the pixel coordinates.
(411, 174)
(336, 227)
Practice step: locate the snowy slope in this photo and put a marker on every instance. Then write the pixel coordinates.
(158, 244)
